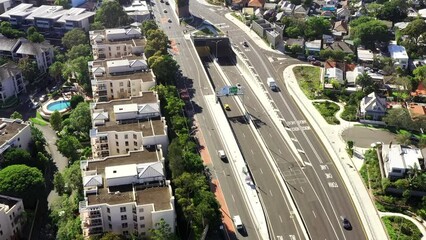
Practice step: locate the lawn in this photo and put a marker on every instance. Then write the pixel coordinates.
(309, 80)
(39, 120)
(328, 111)
(401, 228)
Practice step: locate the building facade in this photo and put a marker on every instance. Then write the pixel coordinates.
(11, 81)
(11, 217)
(14, 133)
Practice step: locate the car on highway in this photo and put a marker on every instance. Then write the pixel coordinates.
(238, 85)
(165, 11)
(221, 155)
(346, 224)
(167, 3)
(227, 107)
(184, 94)
(245, 44)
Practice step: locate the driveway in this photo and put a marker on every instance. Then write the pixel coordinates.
(363, 137)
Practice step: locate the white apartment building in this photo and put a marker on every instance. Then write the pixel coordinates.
(126, 194)
(14, 133)
(120, 78)
(15, 49)
(398, 160)
(48, 18)
(11, 221)
(11, 81)
(116, 43)
(399, 55)
(138, 11)
(120, 126)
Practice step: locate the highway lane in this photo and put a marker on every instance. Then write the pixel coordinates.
(333, 193)
(186, 56)
(279, 215)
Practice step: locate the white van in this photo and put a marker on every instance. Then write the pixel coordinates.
(237, 221)
(221, 154)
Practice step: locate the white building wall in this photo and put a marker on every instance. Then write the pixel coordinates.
(7, 220)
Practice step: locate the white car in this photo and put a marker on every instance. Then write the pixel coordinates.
(221, 154)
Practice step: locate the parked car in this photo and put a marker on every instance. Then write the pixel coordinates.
(165, 11)
(43, 98)
(245, 44)
(167, 3)
(311, 58)
(316, 63)
(184, 94)
(169, 20)
(35, 105)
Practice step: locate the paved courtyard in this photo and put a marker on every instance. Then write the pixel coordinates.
(363, 137)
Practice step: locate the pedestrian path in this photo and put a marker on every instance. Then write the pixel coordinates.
(413, 220)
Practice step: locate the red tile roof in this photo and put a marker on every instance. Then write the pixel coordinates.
(420, 91)
(256, 3)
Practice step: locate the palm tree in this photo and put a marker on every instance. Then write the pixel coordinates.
(364, 80)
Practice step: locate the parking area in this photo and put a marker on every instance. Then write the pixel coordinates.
(363, 137)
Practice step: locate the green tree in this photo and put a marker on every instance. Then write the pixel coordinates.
(315, 27)
(399, 118)
(16, 115)
(394, 10)
(81, 118)
(373, 9)
(403, 137)
(81, 50)
(162, 231)
(79, 68)
(34, 36)
(38, 142)
(59, 183)
(55, 70)
(370, 32)
(68, 146)
(164, 68)
(7, 31)
(73, 179)
(75, 100)
(74, 37)
(56, 120)
(364, 80)
(416, 30)
(17, 156)
(96, 26)
(148, 25)
(29, 69)
(64, 3)
(112, 236)
(157, 41)
(23, 182)
(70, 229)
(420, 73)
(111, 15)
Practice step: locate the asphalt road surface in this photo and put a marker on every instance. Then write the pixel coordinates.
(363, 137)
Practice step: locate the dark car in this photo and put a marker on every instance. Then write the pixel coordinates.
(346, 224)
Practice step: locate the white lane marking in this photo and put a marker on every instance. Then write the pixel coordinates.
(233, 199)
(308, 163)
(281, 220)
(279, 150)
(301, 189)
(261, 170)
(270, 135)
(270, 192)
(314, 214)
(252, 152)
(244, 135)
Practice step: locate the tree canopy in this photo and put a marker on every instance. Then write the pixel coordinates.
(16, 115)
(164, 68)
(29, 69)
(56, 120)
(370, 32)
(111, 15)
(68, 146)
(393, 10)
(81, 118)
(81, 50)
(315, 27)
(23, 182)
(148, 25)
(34, 36)
(420, 73)
(9, 32)
(162, 231)
(75, 100)
(74, 37)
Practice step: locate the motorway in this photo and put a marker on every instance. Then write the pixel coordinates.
(198, 82)
(321, 195)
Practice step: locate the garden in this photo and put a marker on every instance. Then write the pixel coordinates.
(399, 228)
(328, 110)
(309, 79)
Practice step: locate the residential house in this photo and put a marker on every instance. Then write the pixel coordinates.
(343, 14)
(417, 110)
(120, 126)
(352, 73)
(14, 133)
(300, 11)
(295, 42)
(126, 194)
(272, 32)
(417, 63)
(340, 29)
(138, 11)
(339, 46)
(412, 13)
(334, 71)
(365, 56)
(269, 5)
(116, 43)
(313, 47)
(11, 217)
(398, 160)
(256, 3)
(422, 13)
(401, 25)
(48, 18)
(120, 78)
(399, 55)
(372, 107)
(279, 16)
(287, 7)
(420, 91)
(11, 81)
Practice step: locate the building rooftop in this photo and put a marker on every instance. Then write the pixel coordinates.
(8, 70)
(400, 157)
(143, 76)
(7, 44)
(365, 55)
(30, 48)
(9, 128)
(397, 51)
(23, 9)
(159, 196)
(7, 202)
(117, 36)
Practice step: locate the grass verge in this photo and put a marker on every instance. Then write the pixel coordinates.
(39, 120)
(309, 80)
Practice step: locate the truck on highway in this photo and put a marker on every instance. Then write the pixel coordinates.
(272, 84)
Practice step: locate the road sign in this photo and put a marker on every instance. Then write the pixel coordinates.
(233, 90)
(230, 91)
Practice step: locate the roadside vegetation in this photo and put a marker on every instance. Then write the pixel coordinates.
(400, 228)
(309, 81)
(328, 110)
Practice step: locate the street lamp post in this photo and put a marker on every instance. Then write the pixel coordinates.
(217, 41)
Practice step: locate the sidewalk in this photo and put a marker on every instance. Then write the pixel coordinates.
(330, 135)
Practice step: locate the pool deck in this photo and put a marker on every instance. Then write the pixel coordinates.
(45, 113)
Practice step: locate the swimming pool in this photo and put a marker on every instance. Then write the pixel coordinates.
(58, 105)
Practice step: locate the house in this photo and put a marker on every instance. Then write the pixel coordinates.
(295, 42)
(48, 18)
(126, 194)
(116, 43)
(279, 16)
(11, 81)
(14, 133)
(287, 7)
(365, 56)
(343, 14)
(138, 11)
(268, 6)
(300, 11)
(352, 71)
(11, 217)
(417, 110)
(340, 29)
(412, 13)
(256, 3)
(327, 14)
(417, 63)
(272, 32)
(313, 47)
(340, 46)
(401, 25)
(422, 13)
(334, 71)
(120, 78)
(398, 160)
(373, 107)
(120, 126)
(399, 55)
(420, 91)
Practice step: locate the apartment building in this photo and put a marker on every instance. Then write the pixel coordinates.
(126, 194)
(15, 49)
(120, 78)
(120, 126)
(48, 18)
(11, 221)
(11, 81)
(14, 133)
(116, 43)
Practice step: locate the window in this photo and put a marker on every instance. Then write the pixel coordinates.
(142, 225)
(124, 225)
(19, 139)
(127, 150)
(121, 84)
(108, 210)
(109, 218)
(116, 136)
(126, 143)
(1, 233)
(126, 136)
(122, 209)
(123, 217)
(118, 150)
(141, 218)
(110, 226)
(116, 144)
(118, 48)
(135, 143)
(135, 136)
(140, 209)
(125, 233)
(10, 216)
